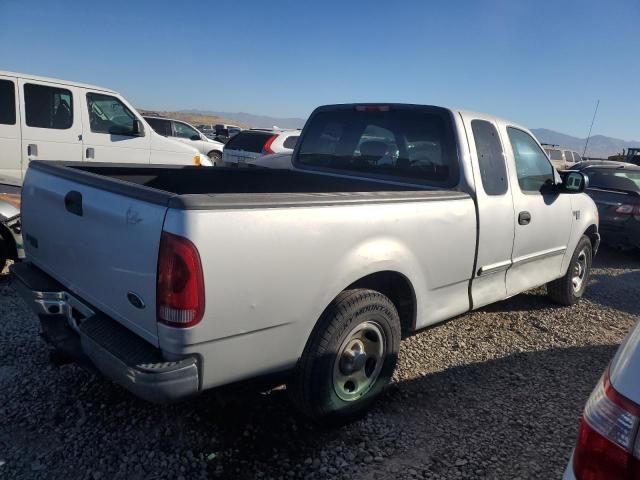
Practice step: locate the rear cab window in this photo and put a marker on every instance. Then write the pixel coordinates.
(248, 141)
(7, 102)
(493, 170)
(409, 143)
(48, 107)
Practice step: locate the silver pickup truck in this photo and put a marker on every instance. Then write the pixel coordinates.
(171, 281)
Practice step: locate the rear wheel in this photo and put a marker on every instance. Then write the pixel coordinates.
(570, 288)
(349, 358)
(215, 157)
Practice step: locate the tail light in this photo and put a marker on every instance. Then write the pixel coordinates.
(180, 289)
(267, 145)
(625, 209)
(607, 447)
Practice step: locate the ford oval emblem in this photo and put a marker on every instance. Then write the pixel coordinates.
(135, 300)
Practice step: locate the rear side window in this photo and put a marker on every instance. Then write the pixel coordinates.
(248, 141)
(108, 114)
(568, 156)
(163, 127)
(576, 157)
(532, 166)
(291, 141)
(409, 143)
(7, 102)
(490, 157)
(48, 107)
(555, 155)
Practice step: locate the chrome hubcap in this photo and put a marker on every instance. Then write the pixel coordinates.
(359, 361)
(579, 270)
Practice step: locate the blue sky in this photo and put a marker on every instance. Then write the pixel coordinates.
(541, 63)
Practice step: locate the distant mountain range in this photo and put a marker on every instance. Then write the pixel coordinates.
(599, 145)
(256, 121)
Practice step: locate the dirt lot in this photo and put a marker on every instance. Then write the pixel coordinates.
(493, 394)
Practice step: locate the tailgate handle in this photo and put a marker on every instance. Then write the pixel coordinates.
(73, 202)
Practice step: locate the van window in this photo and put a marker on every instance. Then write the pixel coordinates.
(48, 107)
(532, 166)
(163, 127)
(7, 102)
(576, 157)
(490, 157)
(108, 114)
(567, 156)
(555, 155)
(184, 131)
(407, 143)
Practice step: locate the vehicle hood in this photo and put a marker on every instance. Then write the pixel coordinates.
(625, 366)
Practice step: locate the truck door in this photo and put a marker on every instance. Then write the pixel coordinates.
(542, 217)
(110, 133)
(51, 122)
(9, 129)
(495, 211)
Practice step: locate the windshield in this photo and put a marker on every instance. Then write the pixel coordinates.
(409, 143)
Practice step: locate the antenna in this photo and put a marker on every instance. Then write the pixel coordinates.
(584, 153)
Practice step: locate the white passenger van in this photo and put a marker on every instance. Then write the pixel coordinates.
(48, 119)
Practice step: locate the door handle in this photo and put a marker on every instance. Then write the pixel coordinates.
(524, 218)
(32, 150)
(90, 153)
(73, 202)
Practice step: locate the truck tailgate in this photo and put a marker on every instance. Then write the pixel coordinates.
(101, 245)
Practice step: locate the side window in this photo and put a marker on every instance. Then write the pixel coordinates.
(108, 114)
(184, 131)
(576, 157)
(48, 107)
(555, 155)
(568, 157)
(532, 166)
(290, 142)
(163, 127)
(7, 102)
(493, 170)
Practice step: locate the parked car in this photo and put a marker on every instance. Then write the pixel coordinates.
(172, 281)
(250, 144)
(561, 158)
(188, 134)
(608, 442)
(220, 132)
(44, 118)
(615, 188)
(10, 226)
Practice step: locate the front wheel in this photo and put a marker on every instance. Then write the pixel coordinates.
(215, 157)
(349, 358)
(569, 289)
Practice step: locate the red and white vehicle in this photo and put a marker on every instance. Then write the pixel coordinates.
(251, 144)
(608, 446)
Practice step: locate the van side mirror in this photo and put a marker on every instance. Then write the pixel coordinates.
(138, 128)
(574, 182)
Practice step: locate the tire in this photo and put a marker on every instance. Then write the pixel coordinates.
(569, 289)
(349, 358)
(216, 157)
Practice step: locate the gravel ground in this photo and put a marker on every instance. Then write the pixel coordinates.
(492, 394)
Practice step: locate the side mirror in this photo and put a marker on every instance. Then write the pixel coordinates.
(138, 128)
(195, 137)
(574, 182)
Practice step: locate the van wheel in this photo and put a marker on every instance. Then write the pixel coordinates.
(349, 358)
(216, 157)
(570, 288)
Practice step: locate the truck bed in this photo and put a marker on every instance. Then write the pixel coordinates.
(211, 188)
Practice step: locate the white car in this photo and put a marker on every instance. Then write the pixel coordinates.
(251, 144)
(186, 133)
(273, 160)
(48, 119)
(608, 445)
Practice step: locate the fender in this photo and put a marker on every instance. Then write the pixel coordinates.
(584, 215)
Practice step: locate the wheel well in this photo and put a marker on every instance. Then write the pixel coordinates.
(399, 290)
(214, 151)
(592, 233)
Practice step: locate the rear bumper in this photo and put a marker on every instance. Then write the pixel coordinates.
(625, 235)
(87, 336)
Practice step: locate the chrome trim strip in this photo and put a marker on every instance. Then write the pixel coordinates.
(494, 267)
(552, 252)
